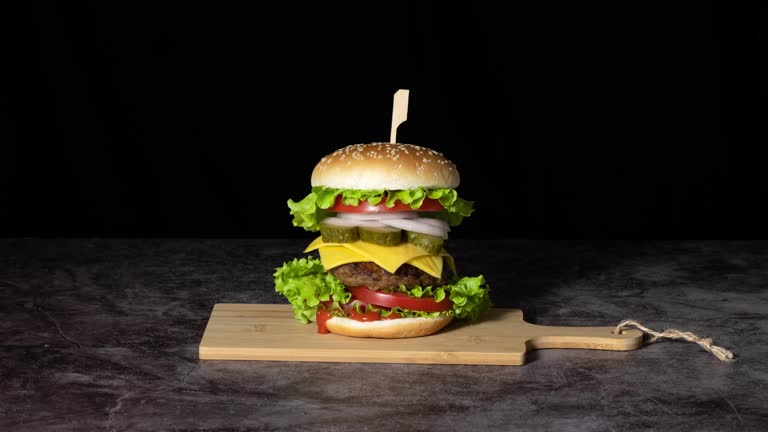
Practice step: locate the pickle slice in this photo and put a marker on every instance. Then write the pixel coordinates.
(430, 243)
(335, 233)
(387, 236)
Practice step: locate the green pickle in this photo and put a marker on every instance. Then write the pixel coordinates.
(430, 243)
(381, 236)
(333, 233)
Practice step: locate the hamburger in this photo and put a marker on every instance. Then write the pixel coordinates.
(383, 211)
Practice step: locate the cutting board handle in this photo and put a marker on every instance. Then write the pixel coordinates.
(602, 338)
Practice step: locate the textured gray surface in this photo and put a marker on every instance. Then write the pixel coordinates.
(102, 335)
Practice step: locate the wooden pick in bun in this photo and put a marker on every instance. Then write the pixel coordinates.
(384, 212)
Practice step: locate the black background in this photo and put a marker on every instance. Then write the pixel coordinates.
(616, 120)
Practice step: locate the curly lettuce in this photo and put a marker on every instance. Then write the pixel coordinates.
(305, 283)
(308, 212)
(470, 297)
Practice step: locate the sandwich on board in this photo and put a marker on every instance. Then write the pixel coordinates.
(383, 211)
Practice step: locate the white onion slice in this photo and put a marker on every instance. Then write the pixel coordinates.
(353, 223)
(416, 226)
(436, 222)
(377, 216)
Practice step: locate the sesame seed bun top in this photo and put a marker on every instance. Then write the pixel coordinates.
(385, 166)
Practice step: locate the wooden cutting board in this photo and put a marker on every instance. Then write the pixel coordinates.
(501, 337)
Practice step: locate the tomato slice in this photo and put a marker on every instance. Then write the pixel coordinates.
(366, 316)
(429, 204)
(398, 299)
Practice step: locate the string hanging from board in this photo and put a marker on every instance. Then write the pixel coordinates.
(706, 343)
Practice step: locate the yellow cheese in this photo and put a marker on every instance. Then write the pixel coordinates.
(390, 258)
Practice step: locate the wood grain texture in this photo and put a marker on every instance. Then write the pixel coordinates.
(270, 332)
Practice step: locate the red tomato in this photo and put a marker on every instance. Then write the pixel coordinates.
(323, 315)
(368, 315)
(429, 204)
(427, 304)
(391, 316)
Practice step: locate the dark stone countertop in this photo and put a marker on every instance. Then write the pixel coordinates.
(102, 334)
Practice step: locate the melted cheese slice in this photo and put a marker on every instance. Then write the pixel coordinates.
(390, 258)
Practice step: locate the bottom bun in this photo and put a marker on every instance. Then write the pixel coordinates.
(388, 329)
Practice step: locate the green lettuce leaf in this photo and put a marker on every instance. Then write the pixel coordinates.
(308, 212)
(305, 283)
(470, 297)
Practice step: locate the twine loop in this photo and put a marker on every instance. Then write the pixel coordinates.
(706, 343)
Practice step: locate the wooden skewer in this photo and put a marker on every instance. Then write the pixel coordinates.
(399, 112)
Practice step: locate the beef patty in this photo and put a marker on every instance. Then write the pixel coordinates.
(372, 276)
